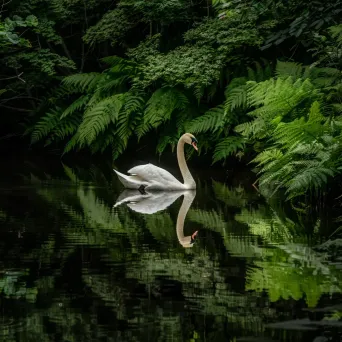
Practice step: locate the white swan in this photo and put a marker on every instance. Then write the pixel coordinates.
(185, 241)
(151, 177)
(150, 203)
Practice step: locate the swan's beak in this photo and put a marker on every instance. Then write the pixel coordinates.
(194, 145)
(193, 236)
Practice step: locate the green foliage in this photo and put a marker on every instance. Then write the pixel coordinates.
(212, 121)
(113, 26)
(160, 107)
(303, 155)
(8, 34)
(166, 67)
(201, 65)
(227, 146)
(43, 60)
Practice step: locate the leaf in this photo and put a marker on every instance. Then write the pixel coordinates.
(212, 120)
(160, 107)
(76, 105)
(82, 82)
(97, 118)
(227, 146)
(45, 125)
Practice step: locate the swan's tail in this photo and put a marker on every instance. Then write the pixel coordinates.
(129, 182)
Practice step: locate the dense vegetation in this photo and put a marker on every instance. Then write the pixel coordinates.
(260, 81)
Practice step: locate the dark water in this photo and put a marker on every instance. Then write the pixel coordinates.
(75, 267)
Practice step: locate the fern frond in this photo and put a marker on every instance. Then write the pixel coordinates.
(298, 131)
(260, 73)
(45, 125)
(103, 141)
(211, 121)
(130, 116)
(160, 107)
(82, 82)
(72, 143)
(76, 106)
(65, 127)
(118, 146)
(164, 141)
(198, 92)
(211, 219)
(257, 128)
(310, 177)
(315, 115)
(286, 69)
(119, 64)
(109, 84)
(268, 156)
(236, 97)
(228, 146)
(336, 33)
(234, 197)
(97, 118)
(235, 83)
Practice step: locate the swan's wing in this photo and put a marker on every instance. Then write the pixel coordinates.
(130, 182)
(156, 202)
(152, 173)
(130, 196)
(148, 203)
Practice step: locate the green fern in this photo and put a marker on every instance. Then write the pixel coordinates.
(212, 121)
(260, 73)
(130, 116)
(286, 69)
(268, 156)
(77, 105)
(336, 33)
(236, 97)
(82, 82)
(234, 197)
(104, 141)
(45, 125)
(97, 118)
(310, 177)
(300, 130)
(160, 107)
(164, 141)
(228, 146)
(64, 128)
(256, 129)
(121, 65)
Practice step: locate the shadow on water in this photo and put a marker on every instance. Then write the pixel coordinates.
(83, 260)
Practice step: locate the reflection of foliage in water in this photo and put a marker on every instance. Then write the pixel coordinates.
(288, 270)
(141, 282)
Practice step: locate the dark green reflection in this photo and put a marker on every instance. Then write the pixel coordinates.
(82, 260)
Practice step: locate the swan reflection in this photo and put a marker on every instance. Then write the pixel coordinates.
(152, 202)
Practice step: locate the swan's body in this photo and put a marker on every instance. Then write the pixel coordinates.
(152, 202)
(151, 177)
(148, 202)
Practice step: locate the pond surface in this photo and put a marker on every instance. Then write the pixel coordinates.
(81, 260)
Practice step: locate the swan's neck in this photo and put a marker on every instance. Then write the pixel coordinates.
(187, 201)
(187, 177)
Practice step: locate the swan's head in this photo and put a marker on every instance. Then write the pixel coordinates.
(191, 140)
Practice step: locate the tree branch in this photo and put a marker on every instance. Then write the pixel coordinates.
(10, 78)
(4, 4)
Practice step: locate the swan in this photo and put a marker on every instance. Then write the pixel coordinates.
(150, 203)
(151, 177)
(185, 241)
